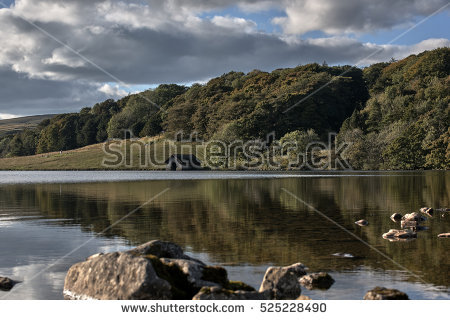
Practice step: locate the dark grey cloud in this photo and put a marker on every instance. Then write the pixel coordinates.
(21, 95)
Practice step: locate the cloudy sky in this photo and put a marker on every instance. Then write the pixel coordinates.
(61, 55)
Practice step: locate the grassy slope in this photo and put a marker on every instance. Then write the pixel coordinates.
(10, 126)
(86, 158)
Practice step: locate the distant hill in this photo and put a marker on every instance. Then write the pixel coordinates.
(12, 126)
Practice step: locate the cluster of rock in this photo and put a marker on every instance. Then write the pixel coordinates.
(161, 270)
(410, 224)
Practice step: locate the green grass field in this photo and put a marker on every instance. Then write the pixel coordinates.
(92, 157)
(11, 126)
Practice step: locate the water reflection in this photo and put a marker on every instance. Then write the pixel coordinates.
(245, 224)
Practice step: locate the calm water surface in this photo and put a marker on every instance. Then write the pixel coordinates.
(243, 221)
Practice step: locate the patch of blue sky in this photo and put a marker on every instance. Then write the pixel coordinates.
(6, 3)
(437, 26)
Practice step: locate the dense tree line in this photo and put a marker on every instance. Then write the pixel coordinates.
(394, 114)
(405, 123)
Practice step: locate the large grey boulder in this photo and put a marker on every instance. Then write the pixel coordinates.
(218, 293)
(155, 270)
(321, 280)
(6, 284)
(282, 283)
(115, 276)
(381, 293)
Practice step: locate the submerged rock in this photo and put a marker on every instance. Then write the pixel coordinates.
(396, 217)
(6, 284)
(321, 280)
(380, 293)
(444, 235)
(362, 223)
(282, 283)
(218, 293)
(396, 235)
(409, 224)
(427, 211)
(346, 255)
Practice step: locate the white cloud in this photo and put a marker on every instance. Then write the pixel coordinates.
(237, 24)
(352, 16)
(112, 91)
(402, 51)
(4, 116)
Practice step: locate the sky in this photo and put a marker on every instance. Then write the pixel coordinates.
(59, 56)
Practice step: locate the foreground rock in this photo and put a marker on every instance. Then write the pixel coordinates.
(444, 235)
(6, 284)
(321, 280)
(282, 283)
(156, 270)
(380, 293)
(116, 276)
(160, 270)
(398, 235)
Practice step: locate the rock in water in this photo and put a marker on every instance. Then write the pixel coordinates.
(281, 283)
(380, 293)
(444, 235)
(362, 223)
(161, 249)
(409, 224)
(427, 211)
(115, 276)
(414, 216)
(396, 235)
(6, 284)
(321, 280)
(218, 293)
(396, 217)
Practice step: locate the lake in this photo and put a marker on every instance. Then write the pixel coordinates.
(244, 221)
